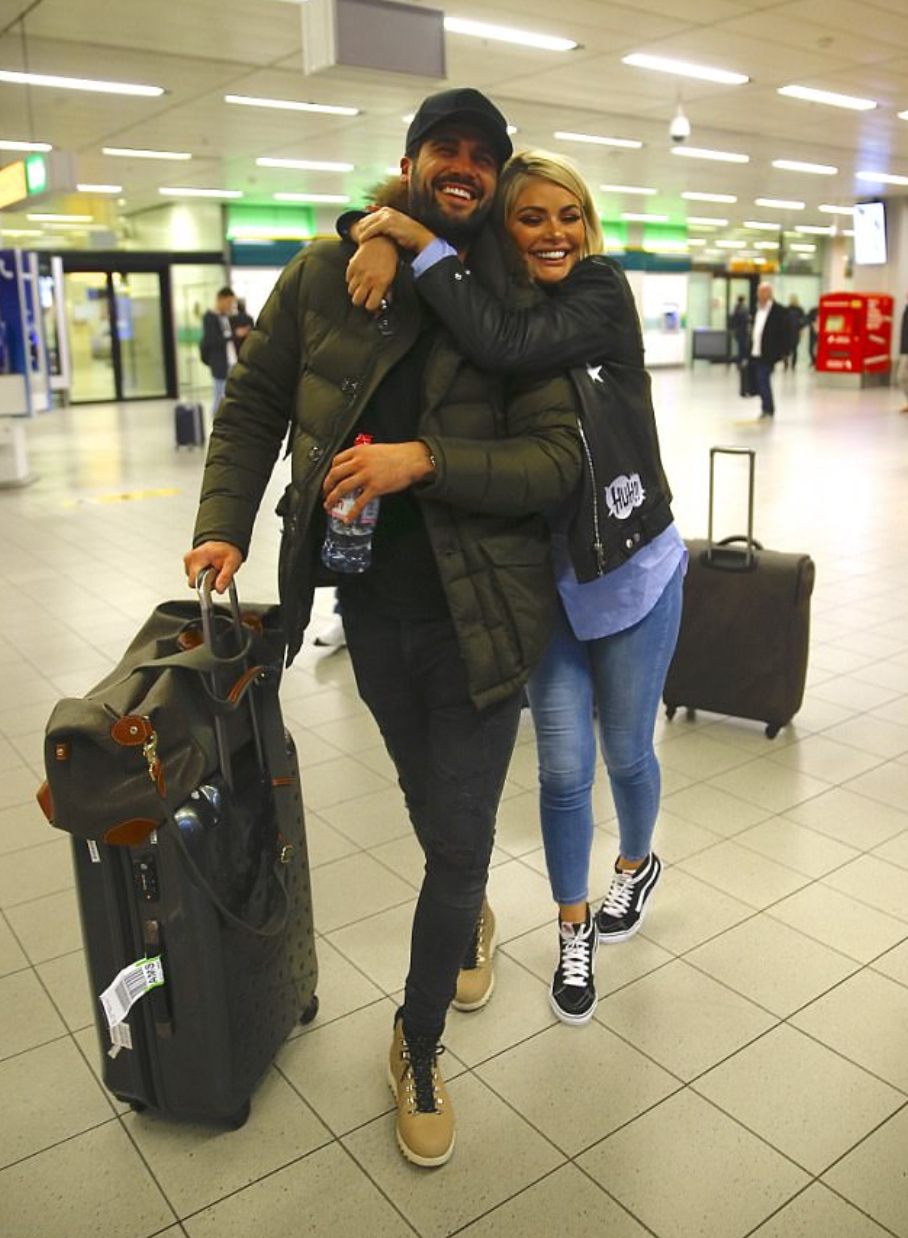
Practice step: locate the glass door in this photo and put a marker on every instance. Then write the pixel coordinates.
(88, 324)
(139, 334)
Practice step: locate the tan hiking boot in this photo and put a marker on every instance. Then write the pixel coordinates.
(476, 980)
(425, 1119)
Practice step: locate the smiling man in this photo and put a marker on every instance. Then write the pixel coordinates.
(456, 608)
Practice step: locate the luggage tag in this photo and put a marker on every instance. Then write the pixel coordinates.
(131, 984)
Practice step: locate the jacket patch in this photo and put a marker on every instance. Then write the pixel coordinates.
(624, 494)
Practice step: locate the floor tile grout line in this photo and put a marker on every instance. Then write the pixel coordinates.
(57, 1143)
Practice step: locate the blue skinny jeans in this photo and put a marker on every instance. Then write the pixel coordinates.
(624, 675)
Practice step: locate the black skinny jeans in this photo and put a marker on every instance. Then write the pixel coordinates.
(451, 761)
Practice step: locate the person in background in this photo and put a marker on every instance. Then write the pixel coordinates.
(456, 608)
(811, 319)
(797, 320)
(769, 344)
(218, 348)
(619, 557)
(241, 323)
(902, 372)
(739, 325)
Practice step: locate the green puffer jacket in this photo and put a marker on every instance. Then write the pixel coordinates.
(506, 452)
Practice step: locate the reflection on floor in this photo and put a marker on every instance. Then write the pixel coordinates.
(746, 1073)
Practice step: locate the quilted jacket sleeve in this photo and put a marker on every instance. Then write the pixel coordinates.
(590, 316)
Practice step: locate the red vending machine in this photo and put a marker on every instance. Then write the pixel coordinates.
(854, 339)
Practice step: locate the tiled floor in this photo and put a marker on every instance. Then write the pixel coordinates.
(747, 1070)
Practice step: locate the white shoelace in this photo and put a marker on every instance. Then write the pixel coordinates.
(620, 892)
(575, 957)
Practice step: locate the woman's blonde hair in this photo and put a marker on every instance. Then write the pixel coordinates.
(546, 166)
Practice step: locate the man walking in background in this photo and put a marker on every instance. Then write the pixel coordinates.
(769, 344)
(217, 347)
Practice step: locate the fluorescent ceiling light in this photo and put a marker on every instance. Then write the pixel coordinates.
(596, 140)
(4, 232)
(798, 165)
(305, 165)
(731, 244)
(311, 197)
(635, 217)
(506, 34)
(762, 225)
(766, 244)
(683, 68)
(667, 246)
(780, 204)
(129, 152)
(708, 221)
(8, 144)
(803, 249)
(847, 232)
(709, 197)
(699, 152)
(696, 240)
(638, 189)
(829, 97)
(183, 192)
(61, 219)
(78, 83)
(882, 178)
(815, 230)
(291, 105)
(836, 210)
(99, 188)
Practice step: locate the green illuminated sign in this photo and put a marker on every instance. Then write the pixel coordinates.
(36, 173)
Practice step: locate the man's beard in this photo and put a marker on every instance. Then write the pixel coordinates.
(425, 208)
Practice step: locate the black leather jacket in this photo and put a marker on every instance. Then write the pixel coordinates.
(588, 324)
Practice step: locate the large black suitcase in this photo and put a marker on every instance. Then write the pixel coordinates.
(189, 424)
(217, 903)
(745, 627)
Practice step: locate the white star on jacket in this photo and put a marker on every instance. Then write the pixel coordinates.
(595, 373)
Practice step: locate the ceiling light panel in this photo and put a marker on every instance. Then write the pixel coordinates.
(642, 217)
(10, 144)
(632, 189)
(836, 210)
(337, 198)
(780, 204)
(691, 196)
(708, 220)
(762, 225)
(683, 68)
(828, 97)
(882, 178)
(701, 152)
(291, 105)
(78, 83)
(305, 165)
(129, 152)
(597, 140)
(191, 192)
(815, 229)
(84, 188)
(798, 165)
(505, 34)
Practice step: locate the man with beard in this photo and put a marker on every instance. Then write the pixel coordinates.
(447, 622)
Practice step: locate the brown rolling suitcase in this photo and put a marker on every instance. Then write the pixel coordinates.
(745, 628)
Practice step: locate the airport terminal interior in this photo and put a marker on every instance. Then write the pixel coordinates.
(745, 1074)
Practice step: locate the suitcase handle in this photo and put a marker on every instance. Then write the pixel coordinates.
(752, 545)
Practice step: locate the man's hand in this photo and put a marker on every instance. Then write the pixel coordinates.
(401, 228)
(375, 469)
(222, 556)
(370, 273)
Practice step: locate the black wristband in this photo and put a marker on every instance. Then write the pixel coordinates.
(346, 221)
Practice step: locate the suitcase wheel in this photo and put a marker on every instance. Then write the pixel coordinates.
(241, 1117)
(690, 714)
(135, 1105)
(670, 711)
(772, 730)
(310, 1012)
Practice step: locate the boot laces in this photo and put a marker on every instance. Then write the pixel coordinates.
(575, 957)
(620, 892)
(421, 1054)
(476, 955)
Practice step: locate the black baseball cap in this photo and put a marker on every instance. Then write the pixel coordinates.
(464, 104)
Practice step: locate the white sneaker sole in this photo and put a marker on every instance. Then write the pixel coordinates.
(609, 939)
(424, 1162)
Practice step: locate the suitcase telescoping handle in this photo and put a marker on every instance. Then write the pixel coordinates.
(732, 560)
(205, 585)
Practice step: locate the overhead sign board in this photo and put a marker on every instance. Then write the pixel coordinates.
(36, 177)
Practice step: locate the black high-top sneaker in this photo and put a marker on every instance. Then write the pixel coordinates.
(573, 994)
(621, 913)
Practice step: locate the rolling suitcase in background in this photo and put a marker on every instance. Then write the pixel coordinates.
(189, 424)
(195, 904)
(745, 627)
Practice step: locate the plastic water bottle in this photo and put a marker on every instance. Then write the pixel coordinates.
(348, 547)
